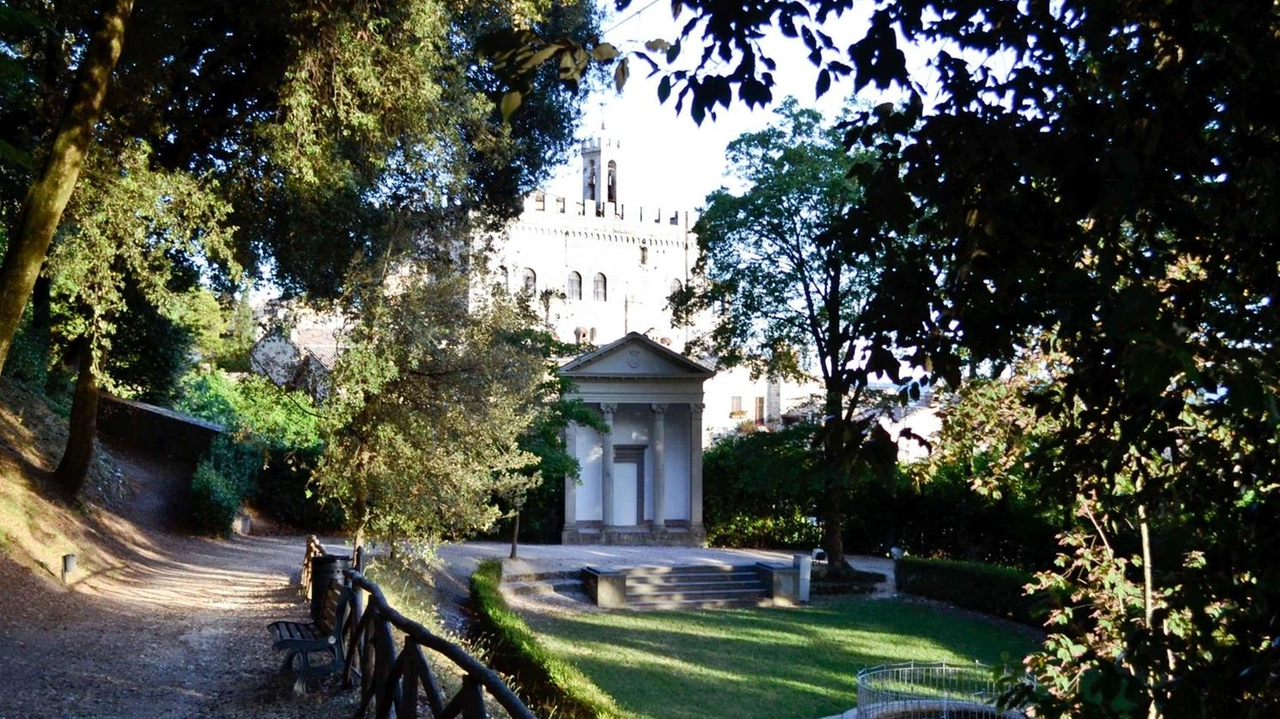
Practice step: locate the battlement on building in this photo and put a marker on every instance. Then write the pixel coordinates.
(596, 143)
(542, 207)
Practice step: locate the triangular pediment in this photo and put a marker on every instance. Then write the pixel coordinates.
(635, 356)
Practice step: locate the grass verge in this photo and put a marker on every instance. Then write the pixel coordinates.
(766, 663)
(551, 685)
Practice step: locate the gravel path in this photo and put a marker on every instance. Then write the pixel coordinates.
(174, 626)
(179, 631)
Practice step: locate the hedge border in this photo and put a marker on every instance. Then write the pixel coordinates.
(543, 679)
(986, 588)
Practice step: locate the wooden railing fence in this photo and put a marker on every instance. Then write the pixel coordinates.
(314, 549)
(394, 676)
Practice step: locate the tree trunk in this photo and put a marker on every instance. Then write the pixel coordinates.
(515, 534)
(833, 525)
(83, 426)
(835, 485)
(49, 193)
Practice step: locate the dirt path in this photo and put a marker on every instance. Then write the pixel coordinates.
(175, 628)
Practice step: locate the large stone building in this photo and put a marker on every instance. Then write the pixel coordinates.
(601, 270)
(600, 267)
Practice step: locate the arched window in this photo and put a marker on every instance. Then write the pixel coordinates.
(575, 286)
(644, 255)
(530, 280)
(676, 286)
(601, 288)
(613, 181)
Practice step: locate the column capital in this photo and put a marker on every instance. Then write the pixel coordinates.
(608, 408)
(658, 408)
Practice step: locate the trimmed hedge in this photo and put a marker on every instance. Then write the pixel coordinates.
(547, 682)
(986, 588)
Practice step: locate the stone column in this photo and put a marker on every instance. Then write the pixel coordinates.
(571, 484)
(606, 467)
(695, 466)
(659, 466)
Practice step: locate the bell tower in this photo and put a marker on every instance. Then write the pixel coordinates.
(601, 157)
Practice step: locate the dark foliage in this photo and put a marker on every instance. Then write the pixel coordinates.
(150, 352)
(986, 588)
(283, 492)
(766, 486)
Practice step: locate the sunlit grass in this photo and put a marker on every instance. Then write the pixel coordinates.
(767, 663)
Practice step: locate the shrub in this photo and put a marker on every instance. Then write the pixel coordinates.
(549, 682)
(283, 494)
(213, 500)
(277, 424)
(766, 487)
(224, 477)
(29, 355)
(986, 588)
(275, 417)
(778, 532)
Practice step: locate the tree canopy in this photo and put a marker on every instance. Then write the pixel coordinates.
(333, 131)
(1096, 176)
(1104, 173)
(783, 299)
(334, 141)
(430, 400)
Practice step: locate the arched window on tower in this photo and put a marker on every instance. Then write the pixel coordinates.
(601, 288)
(613, 181)
(530, 280)
(676, 286)
(575, 286)
(591, 180)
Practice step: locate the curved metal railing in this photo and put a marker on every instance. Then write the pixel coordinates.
(925, 690)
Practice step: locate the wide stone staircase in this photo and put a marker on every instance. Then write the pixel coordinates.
(660, 587)
(689, 587)
(694, 587)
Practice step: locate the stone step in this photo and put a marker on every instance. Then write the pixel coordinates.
(678, 604)
(686, 569)
(697, 595)
(693, 586)
(542, 576)
(552, 586)
(691, 578)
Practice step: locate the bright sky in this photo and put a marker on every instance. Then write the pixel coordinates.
(673, 163)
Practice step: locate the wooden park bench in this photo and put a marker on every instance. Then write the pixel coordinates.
(317, 646)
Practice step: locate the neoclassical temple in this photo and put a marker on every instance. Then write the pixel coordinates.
(641, 482)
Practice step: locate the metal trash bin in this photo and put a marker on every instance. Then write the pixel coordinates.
(325, 568)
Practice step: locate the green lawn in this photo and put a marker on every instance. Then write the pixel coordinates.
(767, 663)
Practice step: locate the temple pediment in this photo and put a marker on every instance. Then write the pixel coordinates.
(635, 356)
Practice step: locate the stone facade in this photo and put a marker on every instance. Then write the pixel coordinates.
(601, 266)
(641, 481)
